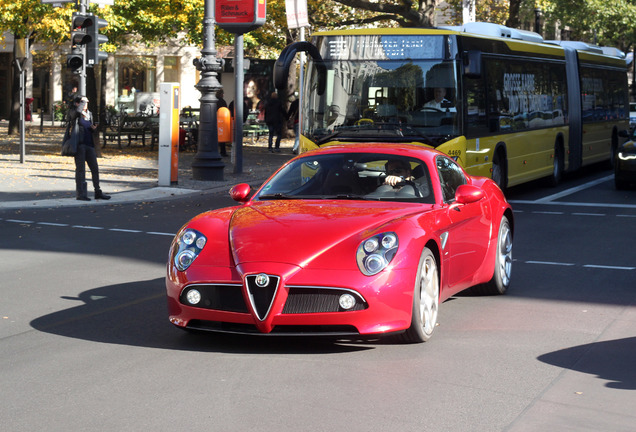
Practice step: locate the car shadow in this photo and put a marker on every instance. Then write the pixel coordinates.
(611, 360)
(136, 314)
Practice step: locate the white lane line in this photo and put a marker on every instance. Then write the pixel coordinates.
(52, 224)
(551, 263)
(588, 214)
(87, 227)
(605, 267)
(160, 233)
(19, 221)
(626, 216)
(124, 230)
(548, 212)
(574, 190)
(576, 204)
(592, 266)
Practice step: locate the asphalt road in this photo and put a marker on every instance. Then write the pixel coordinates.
(85, 343)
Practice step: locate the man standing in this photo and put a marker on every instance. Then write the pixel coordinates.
(274, 117)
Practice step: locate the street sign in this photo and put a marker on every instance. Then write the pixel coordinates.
(296, 13)
(239, 16)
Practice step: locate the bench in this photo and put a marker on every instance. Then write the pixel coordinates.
(131, 127)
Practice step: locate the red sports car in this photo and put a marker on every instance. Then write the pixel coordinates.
(350, 241)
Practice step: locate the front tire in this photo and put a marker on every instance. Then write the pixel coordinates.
(503, 263)
(425, 300)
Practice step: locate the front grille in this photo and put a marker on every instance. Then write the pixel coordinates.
(316, 300)
(262, 297)
(280, 330)
(227, 298)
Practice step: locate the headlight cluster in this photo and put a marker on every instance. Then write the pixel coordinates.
(375, 253)
(190, 244)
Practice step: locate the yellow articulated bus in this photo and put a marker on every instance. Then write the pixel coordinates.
(504, 103)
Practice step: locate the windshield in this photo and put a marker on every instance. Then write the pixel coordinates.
(359, 176)
(383, 88)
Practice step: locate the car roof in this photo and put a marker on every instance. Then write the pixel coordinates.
(408, 150)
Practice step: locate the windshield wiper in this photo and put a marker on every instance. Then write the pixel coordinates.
(280, 196)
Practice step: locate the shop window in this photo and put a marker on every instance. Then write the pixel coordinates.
(171, 69)
(134, 74)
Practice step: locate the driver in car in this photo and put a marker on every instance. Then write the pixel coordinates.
(399, 181)
(439, 99)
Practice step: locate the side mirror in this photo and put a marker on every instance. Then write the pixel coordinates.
(240, 192)
(467, 194)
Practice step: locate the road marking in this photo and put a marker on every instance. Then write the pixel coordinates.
(551, 199)
(89, 227)
(608, 267)
(548, 212)
(593, 266)
(52, 224)
(588, 214)
(574, 190)
(551, 263)
(160, 233)
(19, 221)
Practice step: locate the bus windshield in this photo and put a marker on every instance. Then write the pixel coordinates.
(383, 88)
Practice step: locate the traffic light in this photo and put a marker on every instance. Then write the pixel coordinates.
(75, 60)
(93, 54)
(79, 38)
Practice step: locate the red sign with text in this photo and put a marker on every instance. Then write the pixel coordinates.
(239, 16)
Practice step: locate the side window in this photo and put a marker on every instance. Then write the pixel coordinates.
(450, 177)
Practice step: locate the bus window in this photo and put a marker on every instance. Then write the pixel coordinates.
(476, 121)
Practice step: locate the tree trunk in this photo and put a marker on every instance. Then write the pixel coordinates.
(14, 115)
(513, 14)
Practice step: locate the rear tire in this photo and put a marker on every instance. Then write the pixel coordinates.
(558, 166)
(503, 263)
(425, 300)
(499, 174)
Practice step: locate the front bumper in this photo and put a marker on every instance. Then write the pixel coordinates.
(302, 302)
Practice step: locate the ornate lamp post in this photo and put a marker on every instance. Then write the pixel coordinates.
(208, 164)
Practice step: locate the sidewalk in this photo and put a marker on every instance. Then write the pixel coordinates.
(46, 179)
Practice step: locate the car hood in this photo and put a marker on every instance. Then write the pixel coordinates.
(300, 232)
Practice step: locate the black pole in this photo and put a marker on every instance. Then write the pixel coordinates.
(538, 28)
(207, 163)
(238, 104)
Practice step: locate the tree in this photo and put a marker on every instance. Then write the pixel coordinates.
(31, 20)
(405, 13)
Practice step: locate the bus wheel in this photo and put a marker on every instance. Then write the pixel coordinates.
(557, 166)
(499, 170)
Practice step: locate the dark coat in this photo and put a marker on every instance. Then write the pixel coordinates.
(275, 113)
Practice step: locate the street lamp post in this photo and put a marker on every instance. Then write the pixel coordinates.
(207, 163)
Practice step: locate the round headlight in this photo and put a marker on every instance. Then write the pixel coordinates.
(189, 237)
(371, 245)
(347, 301)
(184, 259)
(193, 296)
(374, 263)
(389, 241)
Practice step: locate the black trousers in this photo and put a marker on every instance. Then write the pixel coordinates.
(86, 155)
(275, 130)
